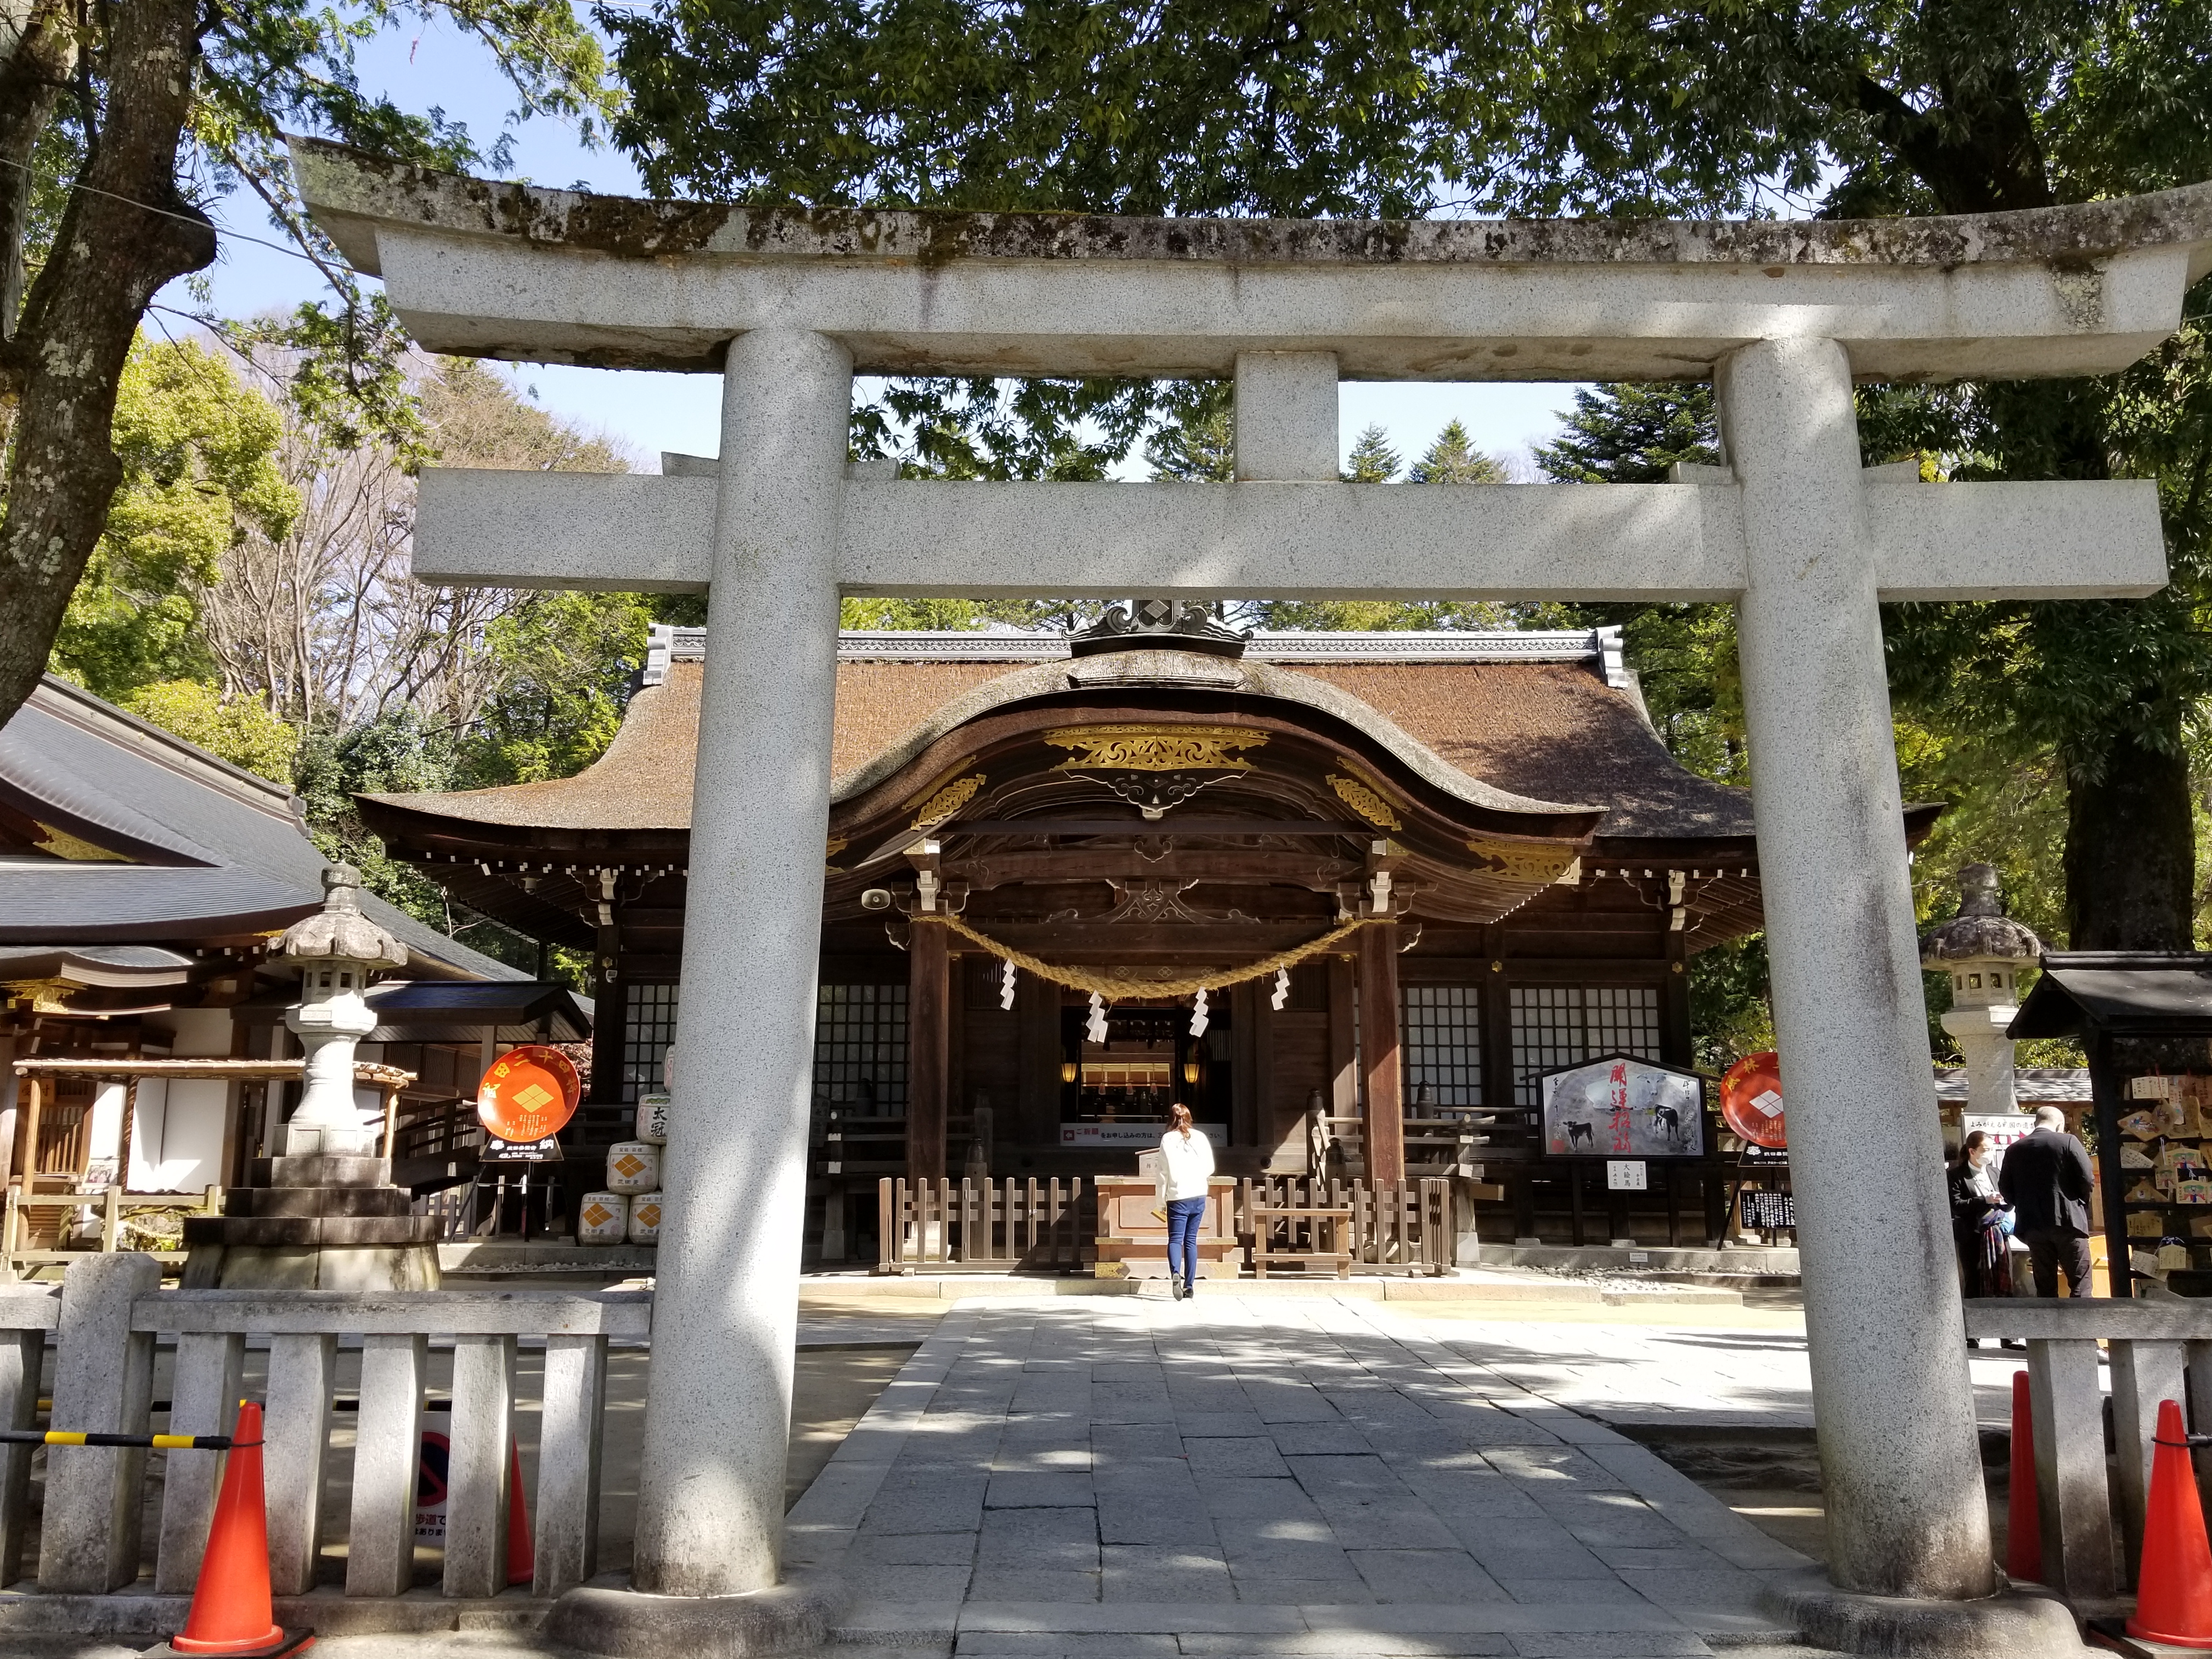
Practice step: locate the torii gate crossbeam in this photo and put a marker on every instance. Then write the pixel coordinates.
(788, 304)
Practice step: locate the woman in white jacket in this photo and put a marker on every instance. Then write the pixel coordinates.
(1186, 1161)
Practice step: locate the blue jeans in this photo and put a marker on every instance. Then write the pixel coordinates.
(1184, 1215)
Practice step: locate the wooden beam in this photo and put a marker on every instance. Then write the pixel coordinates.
(1385, 1119)
(928, 1018)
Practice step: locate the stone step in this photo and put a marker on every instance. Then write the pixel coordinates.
(317, 1201)
(302, 1231)
(319, 1171)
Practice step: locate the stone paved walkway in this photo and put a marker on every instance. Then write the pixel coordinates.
(1247, 1475)
(1707, 1377)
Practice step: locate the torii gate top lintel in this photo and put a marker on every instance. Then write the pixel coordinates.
(2083, 288)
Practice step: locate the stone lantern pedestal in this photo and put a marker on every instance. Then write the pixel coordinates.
(323, 1215)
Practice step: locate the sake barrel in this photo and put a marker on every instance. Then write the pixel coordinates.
(653, 1119)
(603, 1218)
(645, 1219)
(633, 1166)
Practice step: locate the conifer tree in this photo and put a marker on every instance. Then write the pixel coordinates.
(1372, 460)
(1454, 459)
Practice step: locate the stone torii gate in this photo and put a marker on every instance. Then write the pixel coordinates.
(788, 304)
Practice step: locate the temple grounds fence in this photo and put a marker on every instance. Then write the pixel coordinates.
(1030, 1225)
(95, 1335)
(2157, 1349)
(1001, 1226)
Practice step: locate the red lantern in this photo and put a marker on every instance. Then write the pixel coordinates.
(1751, 1100)
(528, 1094)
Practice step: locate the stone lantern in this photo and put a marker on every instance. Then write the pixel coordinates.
(336, 950)
(1983, 951)
(323, 1215)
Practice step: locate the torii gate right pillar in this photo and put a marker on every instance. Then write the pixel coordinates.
(1891, 1394)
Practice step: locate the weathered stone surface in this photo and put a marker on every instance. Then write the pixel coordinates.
(504, 269)
(630, 1624)
(2018, 1626)
(1906, 1511)
(103, 1383)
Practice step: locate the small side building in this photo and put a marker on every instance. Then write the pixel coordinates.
(142, 884)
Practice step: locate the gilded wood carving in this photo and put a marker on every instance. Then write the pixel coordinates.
(1131, 748)
(1364, 801)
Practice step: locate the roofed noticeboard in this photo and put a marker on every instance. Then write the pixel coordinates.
(1622, 1106)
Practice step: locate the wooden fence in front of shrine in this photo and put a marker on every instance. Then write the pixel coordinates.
(1044, 1226)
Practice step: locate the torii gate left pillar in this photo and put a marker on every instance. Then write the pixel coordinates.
(1792, 530)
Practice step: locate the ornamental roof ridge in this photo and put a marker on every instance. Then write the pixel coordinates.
(1598, 646)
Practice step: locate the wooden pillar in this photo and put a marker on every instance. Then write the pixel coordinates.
(928, 1052)
(1037, 1113)
(1383, 1126)
(609, 987)
(1343, 1075)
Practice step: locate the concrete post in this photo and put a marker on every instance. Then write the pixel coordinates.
(103, 1383)
(718, 1417)
(1894, 1413)
(1287, 414)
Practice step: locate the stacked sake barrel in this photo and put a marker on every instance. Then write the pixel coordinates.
(629, 1209)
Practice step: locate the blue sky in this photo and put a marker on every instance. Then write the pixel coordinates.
(434, 66)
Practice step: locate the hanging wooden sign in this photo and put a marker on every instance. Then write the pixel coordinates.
(529, 1094)
(1751, 1100)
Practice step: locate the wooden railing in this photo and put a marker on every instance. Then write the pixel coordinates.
(104, 1320)
(999, 1226)
(2158, 1350)
(18, 1230)
(1408, 1228)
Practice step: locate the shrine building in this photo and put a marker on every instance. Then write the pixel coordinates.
(1470, 851)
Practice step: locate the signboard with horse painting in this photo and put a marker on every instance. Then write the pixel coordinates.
(1622, 1107)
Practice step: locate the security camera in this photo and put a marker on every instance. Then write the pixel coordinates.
(876, 898)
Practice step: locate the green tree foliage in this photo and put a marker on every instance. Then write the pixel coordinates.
(1626, 432)
(240, 730)
(1200, 448)
(1561, 106)
(1454, 459)
(131, 116)
(1371, 460)
(199, 472)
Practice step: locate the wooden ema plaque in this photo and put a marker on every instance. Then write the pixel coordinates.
(529, 1095)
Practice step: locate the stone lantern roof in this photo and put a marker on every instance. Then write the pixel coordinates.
(1981, 931)
(339, 931)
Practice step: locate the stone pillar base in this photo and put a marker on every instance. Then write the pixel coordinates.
(2018, 1625)
(620, 1624)
(360, 1268)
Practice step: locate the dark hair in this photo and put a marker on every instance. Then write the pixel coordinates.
(1179, 1118)
(1977, 1139)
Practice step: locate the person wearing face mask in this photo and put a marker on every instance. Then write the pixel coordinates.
(1185, 1163)
(1981, 1220)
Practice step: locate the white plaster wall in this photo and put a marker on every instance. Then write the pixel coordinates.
(105, 1135)
(179, 1148)
(195, 1033)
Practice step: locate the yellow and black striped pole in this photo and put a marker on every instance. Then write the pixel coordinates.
(158, 1442)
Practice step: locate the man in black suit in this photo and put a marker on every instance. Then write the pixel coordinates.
(2047, 1180)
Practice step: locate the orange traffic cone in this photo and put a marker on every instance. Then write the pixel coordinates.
(521, 1555)
(2174, 1594)
(231, 1613)
(2023, 1519)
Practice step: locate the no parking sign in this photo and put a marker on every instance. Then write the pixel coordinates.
(430, 1468)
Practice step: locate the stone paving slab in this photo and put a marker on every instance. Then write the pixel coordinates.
(1233, 1476)
(1658, 1376)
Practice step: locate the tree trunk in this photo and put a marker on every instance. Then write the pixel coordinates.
(2131, 850)
(111, 255)
(38, 51)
